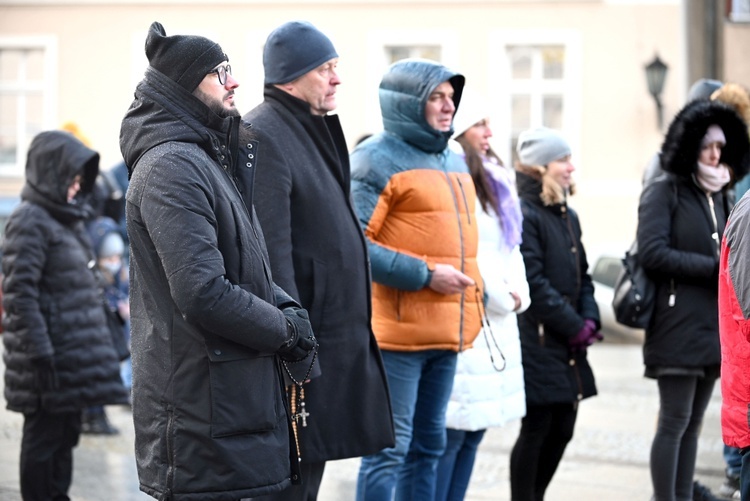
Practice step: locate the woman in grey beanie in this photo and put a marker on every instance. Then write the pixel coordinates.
(563, 319)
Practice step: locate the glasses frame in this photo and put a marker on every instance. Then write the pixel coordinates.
(222, 70)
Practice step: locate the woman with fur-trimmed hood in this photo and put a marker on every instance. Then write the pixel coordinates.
(681, 219)
(563, 319)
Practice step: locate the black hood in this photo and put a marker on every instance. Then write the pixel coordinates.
(682, 144)
(54, 159)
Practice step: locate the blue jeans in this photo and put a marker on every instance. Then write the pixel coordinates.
(456, 463)
(420, 384)
(733, 460)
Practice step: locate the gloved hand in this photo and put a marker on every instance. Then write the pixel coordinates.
(585, 337)
(45, 376)
(301, 339)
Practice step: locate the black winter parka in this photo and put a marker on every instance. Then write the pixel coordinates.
(319, 255)
(562, 297)
(675, 240)
(210, 420)
(53, 305)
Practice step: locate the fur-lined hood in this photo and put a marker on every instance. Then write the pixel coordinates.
(682, 144)
(549, 191)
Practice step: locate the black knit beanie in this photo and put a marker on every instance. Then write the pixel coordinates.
(186, 59)
(293, 49)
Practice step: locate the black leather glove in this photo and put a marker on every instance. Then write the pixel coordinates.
(301, 339)
(45, 376)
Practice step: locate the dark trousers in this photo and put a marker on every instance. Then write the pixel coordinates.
(745, 474)
(682, 403)
(545, 432)
(46, 464)
(312, 475)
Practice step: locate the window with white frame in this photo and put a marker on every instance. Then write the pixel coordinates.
(537, 87)
(537, 82)
(26, 98)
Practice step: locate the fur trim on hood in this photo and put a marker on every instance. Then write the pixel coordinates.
(551, 192)
(682, 144)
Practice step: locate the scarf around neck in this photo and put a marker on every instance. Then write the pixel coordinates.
(712, 179)
(508, 208)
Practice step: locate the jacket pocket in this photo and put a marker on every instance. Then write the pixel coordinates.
(245, 391)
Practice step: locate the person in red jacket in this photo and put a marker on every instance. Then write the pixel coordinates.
(734, 335)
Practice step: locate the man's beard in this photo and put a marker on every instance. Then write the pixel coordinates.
(217, 107)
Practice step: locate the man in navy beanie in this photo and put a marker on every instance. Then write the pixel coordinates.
(318, 252)
(208, 324)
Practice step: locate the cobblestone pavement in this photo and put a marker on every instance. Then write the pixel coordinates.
(607, 459)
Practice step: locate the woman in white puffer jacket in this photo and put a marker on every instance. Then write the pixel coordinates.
(488, 389)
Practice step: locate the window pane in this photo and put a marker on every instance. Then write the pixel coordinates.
(520, 111)
(35, 65)
(9, 61)
(520, 62)
(34, 114)
(552, 109)
(396, 53)
(553, 61)
(8, 139)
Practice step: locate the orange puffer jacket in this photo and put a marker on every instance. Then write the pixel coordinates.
(415, 218)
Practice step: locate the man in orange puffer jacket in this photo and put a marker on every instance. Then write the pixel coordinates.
(415, 201)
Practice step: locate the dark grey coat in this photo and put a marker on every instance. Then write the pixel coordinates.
(51, 298)
(319, 255)
(210, 420)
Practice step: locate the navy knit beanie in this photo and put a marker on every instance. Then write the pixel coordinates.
(186, 59)
(293, 49)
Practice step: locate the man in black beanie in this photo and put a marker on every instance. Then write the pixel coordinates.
(317, 250)
(208, 324)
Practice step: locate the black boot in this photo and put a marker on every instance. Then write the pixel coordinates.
(96, 423)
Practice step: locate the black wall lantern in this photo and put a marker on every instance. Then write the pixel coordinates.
(656, 73)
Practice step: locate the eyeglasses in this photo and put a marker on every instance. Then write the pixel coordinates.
(222, 72)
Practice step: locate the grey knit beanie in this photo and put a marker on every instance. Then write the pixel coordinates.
(293, 49)
(541, 146)
(186, 59)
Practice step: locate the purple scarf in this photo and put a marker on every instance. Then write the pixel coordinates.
(508, 207)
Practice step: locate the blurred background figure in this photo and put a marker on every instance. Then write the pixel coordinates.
(681, 219)
(563, 318)
(113, 281)
(701, 89)
(488, 388)
(59, 357)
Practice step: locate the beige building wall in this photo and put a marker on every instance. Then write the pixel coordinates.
(611, 119)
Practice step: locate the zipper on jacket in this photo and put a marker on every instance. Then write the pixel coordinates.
(579, 395)
(170, 450)
(573, 249)
(461, 242)
(715, 234)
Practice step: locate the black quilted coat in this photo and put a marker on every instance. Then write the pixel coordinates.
(562, 296)
(52, 302)
(210, 420)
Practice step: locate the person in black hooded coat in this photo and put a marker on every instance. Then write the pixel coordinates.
(59, 357)
(681, 219)
(208, 324)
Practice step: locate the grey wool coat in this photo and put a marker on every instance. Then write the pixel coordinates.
(319, 255)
